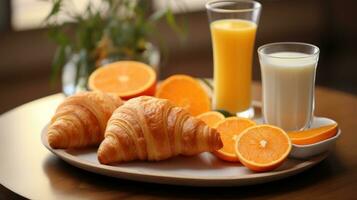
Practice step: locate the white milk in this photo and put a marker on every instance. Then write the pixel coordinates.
(288, 89)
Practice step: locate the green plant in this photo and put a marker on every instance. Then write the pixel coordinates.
(115, 28)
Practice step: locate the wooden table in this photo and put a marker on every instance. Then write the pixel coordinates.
(28, 169)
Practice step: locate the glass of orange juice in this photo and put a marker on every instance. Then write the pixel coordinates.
(233, 25)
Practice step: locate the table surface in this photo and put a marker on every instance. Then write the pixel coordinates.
(28, 169)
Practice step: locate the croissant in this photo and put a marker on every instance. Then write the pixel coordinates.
(81, 120)
(148, 128)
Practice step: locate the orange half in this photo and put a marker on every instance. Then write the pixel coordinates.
(262, 147)
(126, 78)
(229, 129)
(186, 92)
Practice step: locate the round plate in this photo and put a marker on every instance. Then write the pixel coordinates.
(201, 170)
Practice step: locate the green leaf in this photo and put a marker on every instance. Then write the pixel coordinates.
(225, 113)
(58, 36)
(157, 15)
(57, 4)
(171, 21)
(207, 83)
(59, 60)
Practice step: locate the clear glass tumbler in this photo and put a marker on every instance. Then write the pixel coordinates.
(288, 72)
(233, 25)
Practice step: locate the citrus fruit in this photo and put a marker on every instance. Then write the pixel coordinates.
(313, 135)
(185, 91)
(262, 147)
(126, 78)
(229, 129)
(211, 118)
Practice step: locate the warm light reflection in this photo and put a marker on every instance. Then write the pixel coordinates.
(21, 146)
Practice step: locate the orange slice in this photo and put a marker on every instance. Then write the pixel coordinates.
(263, 147)
(229, 129)
(126, 78)
(211, 118)
(313, 135)
(186, 92)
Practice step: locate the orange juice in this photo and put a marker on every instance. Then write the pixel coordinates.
(233, 43)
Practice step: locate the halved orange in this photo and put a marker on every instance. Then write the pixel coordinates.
(263, 147)
(185, 91)
(229, 129)
(313, 135)
(126, 78)
(211, 118)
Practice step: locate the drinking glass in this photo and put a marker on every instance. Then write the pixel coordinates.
(288, 72)
(233, 25)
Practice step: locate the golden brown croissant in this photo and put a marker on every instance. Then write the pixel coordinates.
(148, 128)
(81, 119)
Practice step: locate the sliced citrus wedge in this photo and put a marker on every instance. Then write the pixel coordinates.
(313, 135)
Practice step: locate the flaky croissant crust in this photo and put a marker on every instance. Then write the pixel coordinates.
(148, 128)
(80, 120)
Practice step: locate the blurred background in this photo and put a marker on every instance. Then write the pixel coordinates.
(26, 53)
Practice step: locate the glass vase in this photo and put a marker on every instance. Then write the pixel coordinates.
(75, 72)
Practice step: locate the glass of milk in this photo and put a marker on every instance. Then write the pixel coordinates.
(288, 72)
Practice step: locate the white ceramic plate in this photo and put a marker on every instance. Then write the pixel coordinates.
(200, 170)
